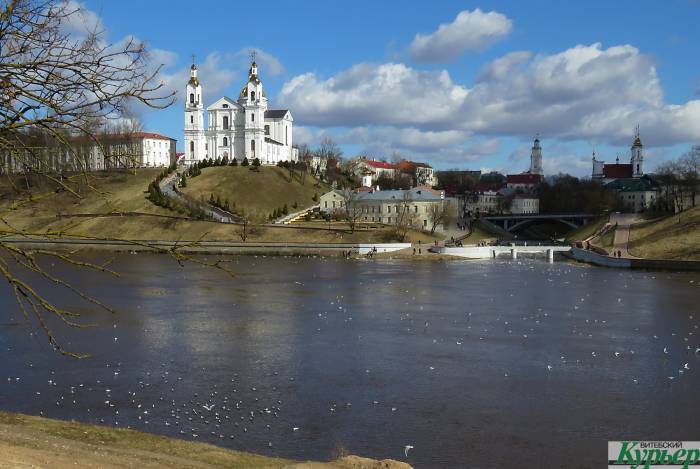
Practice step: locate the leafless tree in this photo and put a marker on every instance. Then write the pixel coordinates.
(56, 90)
(406, 218)
(438, 214)
(353, 209)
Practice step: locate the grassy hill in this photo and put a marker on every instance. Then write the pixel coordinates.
(50, 212)
(587, 230)
(260, 191)
(667, 237)
(28, 441)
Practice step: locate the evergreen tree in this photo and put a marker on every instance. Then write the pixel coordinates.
(245, 162)
(256, 162)
(218, 201)
(234, 162)
(224, 161)
(285, 210)
(212, 201)
(183, 181)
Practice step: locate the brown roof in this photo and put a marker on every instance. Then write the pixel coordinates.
(615, 171)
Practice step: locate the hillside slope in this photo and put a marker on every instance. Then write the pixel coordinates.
(28, 441)
(260, 191)
(668, 238)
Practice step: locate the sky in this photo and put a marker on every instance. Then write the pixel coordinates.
(457, 84)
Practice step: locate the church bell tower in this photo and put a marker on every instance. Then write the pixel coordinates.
(637, 159)
(536, 158)
(254, 102)
(195, 143)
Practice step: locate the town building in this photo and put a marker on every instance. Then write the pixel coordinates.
(606, 173)
(96, 153)
(237, 129)
(636, 194)
(529, 180)
(385, 206)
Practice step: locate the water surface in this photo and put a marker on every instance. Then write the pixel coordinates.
(475, 364)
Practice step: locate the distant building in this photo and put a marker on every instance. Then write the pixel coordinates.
(606, 173)
(101, 152)
(523, 204)
(241, 128)
(533, 177)
(636, 194)
(384, 206)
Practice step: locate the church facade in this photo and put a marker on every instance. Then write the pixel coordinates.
(236, 129)
(606, 172)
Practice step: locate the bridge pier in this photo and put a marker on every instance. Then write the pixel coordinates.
(514, 253)
(550, 255)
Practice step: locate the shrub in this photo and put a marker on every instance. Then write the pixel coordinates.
(234, 162)
(245, 162)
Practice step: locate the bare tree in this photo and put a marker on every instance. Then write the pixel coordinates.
(406, 218)
(438, 214)
(57, 88)
(353, 209)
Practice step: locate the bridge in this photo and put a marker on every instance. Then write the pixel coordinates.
(513, 222)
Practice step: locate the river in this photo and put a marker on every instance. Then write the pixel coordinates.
(473, 363)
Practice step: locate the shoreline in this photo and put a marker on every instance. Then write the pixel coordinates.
(31, 441)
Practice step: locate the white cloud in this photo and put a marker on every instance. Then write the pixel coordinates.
(80, 20)
(471, 30)
(582, 93)
(384, 94)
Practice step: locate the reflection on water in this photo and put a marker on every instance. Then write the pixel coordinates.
(473, 363)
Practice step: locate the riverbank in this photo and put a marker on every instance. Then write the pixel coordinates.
(40, 442)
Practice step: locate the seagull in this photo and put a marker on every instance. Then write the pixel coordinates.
(617, 354)
(406, 449)
(208, 407)
(549, 367)
(665, 350)
(686, 366)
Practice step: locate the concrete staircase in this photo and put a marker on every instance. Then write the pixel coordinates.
(296, 216)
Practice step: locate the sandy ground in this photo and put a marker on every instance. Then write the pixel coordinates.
(27, 441)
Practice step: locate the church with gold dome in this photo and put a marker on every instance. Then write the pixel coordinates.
(236, 129)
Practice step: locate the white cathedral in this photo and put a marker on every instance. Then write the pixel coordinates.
(245, 128)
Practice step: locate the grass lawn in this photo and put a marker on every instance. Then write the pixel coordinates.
(606, 241)
(29, 441)
(667, 238)
(255, 191)
(478, 234)
(587, 230)
(123, 192)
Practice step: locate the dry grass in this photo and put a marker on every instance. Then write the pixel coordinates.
(28, 441)
(667, 238)
(587, 230)
(260, 191)
(606, 241)
(126, 193)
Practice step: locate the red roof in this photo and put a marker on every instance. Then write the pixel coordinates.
(524, 178)
(615, 171)
(379, 164)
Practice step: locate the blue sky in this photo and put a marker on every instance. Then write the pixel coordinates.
(457, 84)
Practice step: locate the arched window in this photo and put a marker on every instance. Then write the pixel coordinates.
(225, 122)
(192, 147)
(252, 95)
(225, 141)
(252, 117)
(191, 119)
(252, 147)
(192, 98)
